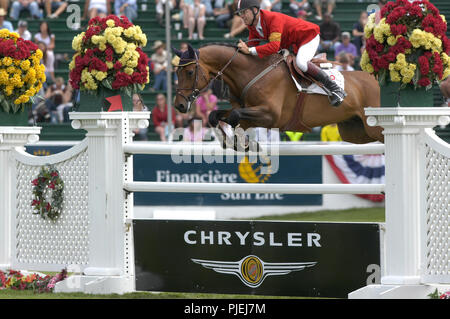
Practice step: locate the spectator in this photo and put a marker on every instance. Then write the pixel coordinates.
(330, 7)
(344, 59)
(184, 11)
(159, 117)
(302, 14)
(140, 134)
(94, 8)
(159, 59)
(348, 47)
(45, 35)
(126, 8)
(205, 103)
(238, 26)
(194, 132)
(22, 30)
(358, 31)
(445, 90)
(48, 59)
(55, 6)
(295, 6)
(330, 33)
(276, 5)
(63, 109)
(54, 98)
(225, 14)
(196, 16)
(4, 4)
(160, 9)
(330, 133)
(176, 60)
(3, 23)
(25, 5)
(209, 12)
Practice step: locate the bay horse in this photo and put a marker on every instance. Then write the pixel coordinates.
(270, 102)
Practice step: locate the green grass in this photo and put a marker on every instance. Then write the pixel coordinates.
(13, 294)
(348, 215)
(375, 214)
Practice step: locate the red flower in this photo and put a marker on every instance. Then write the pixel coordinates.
(35, 182)
(51, 186)
(424, 65)
(424, 82)
(48, 207)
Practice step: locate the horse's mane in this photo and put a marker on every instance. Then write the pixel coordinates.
(225, 44)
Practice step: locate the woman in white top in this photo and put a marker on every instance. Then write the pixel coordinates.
(100, 8)
(196, 14)
(48, 59)
(45, 35)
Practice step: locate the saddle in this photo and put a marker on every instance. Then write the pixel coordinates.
(305, 81)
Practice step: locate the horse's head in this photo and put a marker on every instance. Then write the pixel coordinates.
(191, 79)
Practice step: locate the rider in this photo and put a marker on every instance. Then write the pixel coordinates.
(282, 32)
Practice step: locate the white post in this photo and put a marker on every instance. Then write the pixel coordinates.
(401, 276)
(111, 260)
(10, 138)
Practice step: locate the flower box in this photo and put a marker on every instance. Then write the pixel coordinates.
(19, 118)
(90, 102)
(393, 96)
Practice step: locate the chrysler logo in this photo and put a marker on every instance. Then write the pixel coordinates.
(251, 270)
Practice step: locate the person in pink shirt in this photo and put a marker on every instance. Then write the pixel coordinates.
(205, 103)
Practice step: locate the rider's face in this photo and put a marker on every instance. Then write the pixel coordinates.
(247, 16)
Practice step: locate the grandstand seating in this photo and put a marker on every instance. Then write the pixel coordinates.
(346, 14)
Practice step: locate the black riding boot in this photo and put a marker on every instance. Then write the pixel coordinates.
(337, 94)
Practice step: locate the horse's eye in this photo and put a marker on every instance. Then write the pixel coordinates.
(190, 73)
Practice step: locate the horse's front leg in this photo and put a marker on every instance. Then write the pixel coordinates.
(245, 118)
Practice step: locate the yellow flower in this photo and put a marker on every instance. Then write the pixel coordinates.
(101, 75)
(110, 65)
(395, 76)
(128, 70)
(3, 77)
(9, 90)
(39, 54)
(25, 65)
(72, 65)
(110, 23)
(7, 61)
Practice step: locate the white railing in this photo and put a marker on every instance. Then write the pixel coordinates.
(283, 148)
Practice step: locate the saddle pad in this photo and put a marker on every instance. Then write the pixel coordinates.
(334, 74)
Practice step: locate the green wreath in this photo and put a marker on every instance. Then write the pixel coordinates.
(48, 179)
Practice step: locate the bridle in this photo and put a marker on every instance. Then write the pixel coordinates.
(195, 91)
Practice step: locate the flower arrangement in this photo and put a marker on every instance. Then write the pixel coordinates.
(409, 44)
(109, 54)
(15, 280)
(437, 295)
(21, 72)
(48, 179)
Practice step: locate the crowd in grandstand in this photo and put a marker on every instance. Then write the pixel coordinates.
(346, 47)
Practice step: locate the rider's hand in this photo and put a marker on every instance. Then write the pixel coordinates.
(243, 47)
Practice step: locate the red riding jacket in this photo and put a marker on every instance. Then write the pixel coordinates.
(282, 32)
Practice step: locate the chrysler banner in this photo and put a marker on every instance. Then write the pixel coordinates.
(256, 257)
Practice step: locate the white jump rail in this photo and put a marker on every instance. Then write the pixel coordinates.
(285, 149)
(254, 188)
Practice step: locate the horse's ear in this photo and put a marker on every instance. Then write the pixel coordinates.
(177, 52)
(191, 52)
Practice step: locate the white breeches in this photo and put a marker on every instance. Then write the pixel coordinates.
(306, 52)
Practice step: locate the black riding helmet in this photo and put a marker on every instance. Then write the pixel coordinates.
(246, 4)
